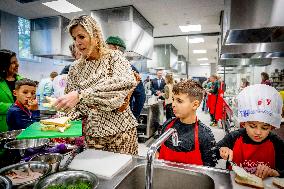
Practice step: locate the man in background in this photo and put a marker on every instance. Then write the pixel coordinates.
(158, 84)
(45, 87)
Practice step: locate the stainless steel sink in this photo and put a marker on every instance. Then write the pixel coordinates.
(166, 178)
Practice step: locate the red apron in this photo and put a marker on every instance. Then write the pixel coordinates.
(250, 155)
(192, 157)
(211, 102)
(219, 108)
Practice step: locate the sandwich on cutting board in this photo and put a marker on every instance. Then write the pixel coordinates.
(55, 124)
(279, 182)
(247, 179)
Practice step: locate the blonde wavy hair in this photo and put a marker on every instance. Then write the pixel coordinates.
(92, 28)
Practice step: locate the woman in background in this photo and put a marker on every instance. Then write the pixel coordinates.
(8, 76)
(169, 96)
(265, 79)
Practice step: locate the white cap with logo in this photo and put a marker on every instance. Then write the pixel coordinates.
(261, 103)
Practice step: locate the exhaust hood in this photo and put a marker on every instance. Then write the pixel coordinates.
(127, 23)
(50, 39)
(253, 29)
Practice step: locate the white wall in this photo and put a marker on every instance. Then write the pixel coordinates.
(199, 71)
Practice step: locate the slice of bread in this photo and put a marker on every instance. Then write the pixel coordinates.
(251, 181)
(62, 121)
(279, 182)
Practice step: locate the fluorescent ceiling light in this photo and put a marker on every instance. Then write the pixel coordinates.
(199, 51)
(62, 6)
(190, 28)
(205, 64)
(201, 59)
(195, 40)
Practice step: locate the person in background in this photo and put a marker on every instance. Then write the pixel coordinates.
(206, 85)
(75, 53)
(97, 86)
(158, 84)
(196, 140)
(169, 96)
(24, 111)
(244, 84)
(265, 79)
(212, 94)
(255, 147)
(138, 96)
(8, 76)
(147, 85)
(45, 87)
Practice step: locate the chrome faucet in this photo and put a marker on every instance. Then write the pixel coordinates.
(152, 151)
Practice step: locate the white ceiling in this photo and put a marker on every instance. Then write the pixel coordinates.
(164, 15)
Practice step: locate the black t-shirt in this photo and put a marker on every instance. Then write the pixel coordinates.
(230, 139)
(11, 85)
(186, 137)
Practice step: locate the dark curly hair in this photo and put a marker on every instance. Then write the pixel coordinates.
(190, 87)
(24, 81)
(5, 61)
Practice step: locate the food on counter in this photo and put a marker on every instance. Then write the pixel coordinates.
(279, 182)
(79, 185)
(20, 176)
(50, 100)
(56, 124)
(250, 180)
(47, 105)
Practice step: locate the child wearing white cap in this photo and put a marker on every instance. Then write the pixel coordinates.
(254, 147)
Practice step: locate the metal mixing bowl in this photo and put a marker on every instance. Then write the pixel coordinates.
(53, 159)
(26, 143)
(8, 136)
(67, 178)
(35, 166)
(5, 183)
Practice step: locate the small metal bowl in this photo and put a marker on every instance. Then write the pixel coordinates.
(5, 183)
(53, 159)
(34, 166)
(8, 136)
(26, 143)
(67, 178)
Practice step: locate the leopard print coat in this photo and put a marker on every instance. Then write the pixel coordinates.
(102, 93)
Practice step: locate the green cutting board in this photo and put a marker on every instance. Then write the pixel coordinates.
(34, 131)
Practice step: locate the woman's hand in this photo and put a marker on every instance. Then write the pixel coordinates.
(264, 171)
(67, 102)
(226, 152)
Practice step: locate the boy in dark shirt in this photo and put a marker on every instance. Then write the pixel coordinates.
(196, 140)
(254, 147)
(24, 111)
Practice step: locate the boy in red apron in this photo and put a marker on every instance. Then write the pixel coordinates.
(196, 140)
(254, 147)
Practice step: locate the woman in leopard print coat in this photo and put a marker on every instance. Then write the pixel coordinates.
(97, 86)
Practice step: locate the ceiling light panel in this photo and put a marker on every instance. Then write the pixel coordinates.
(195, 40)
(202, 59)
(199, 51)
(62, 6)
(204, 64)
(189, 28)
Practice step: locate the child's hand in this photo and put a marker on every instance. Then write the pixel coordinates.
(264, 171)
(32, 105)
(226, 152)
